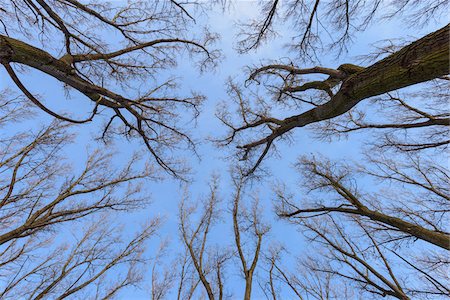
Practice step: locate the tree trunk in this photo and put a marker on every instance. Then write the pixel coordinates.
(248, 287)
(423, 60)
(15, 51)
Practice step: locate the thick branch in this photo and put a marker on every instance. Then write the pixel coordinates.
(106, 56)
(423, 60)
(293, 70)
(15, 51)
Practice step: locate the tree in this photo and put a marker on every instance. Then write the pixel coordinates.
(206, 263)
(254, 226)
(377, 227)
(421, 61)
(209, 261)
(70, 41)
(360, 217)
(349, 261)
(42, 197)
(423, 178)
(98, 264)
(320, 26)
(372, 226)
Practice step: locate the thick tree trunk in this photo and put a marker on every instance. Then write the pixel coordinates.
(423, 60)
(248, 287)
(15, 51)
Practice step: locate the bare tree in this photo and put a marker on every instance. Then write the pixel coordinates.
(96, 263)
(188, 282)
(345, 260)
(360, 218)
(162, 278)
(375, 268)
(41, 195)
(366, 273)
(319, 26)
(302, 282)
(39, 192)
(378, 211)
(401, 210)
(331, 101)
(209, 261)
(247, 223)
(345, 87)
(366, 214)
(71, 41)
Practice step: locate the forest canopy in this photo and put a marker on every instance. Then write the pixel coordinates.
(224, 149)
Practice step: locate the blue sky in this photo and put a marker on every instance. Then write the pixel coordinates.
(167, 193)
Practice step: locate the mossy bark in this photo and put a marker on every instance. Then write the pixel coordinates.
(423, 60)
(15, 51)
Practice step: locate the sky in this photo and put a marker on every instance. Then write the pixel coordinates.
(166, 194)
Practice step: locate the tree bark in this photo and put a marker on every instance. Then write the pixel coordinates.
(15, 51)
(423, 60)
(439, 239)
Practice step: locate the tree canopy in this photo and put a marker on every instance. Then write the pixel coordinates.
(107, 122)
